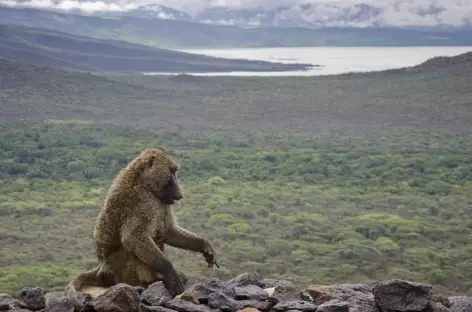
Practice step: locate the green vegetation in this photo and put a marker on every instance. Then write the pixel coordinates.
(63, 50)
(324, 179)
(182, 34)
(321, 210)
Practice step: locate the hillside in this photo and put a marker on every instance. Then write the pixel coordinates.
(340, 179)
(459, 63)
(63, 50)
(186, 34)
(337, 104)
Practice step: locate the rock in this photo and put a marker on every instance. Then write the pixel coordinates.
(334, 306)
(320, 295)
(460, 304)
(145, 308)
(85, 299)
(273, 282)
(33, 297)
(119, 298)
(245, 279)
(285, 291)
(299, 305)
(358, 296)
(189, 296)
(249, 310)
(400, 295)
(202, 290)
(223, 302)
(186, 306)
(306, 296)
(441, 299)
(270, 291)
(57, 301)
(436, 307)
(260, 305)
(6, 302)
(155, 295)
(210, 281)
(250, 292)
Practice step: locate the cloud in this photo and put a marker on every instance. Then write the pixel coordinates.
(68, 5)
(327, 12)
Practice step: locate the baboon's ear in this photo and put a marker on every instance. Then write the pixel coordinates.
(164, 150)
(150, 161)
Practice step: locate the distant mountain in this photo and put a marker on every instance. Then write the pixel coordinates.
(174, 33)
(63, 50)
(392, 13)
(299, 15)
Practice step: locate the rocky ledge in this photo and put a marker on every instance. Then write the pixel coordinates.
(247, 293)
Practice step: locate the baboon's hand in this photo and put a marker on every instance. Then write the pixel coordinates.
(173, 284)
(209, 255)
(172, 281)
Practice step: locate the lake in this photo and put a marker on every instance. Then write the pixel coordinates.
(334, 60)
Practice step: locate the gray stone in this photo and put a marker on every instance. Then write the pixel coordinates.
(33, 297)
(250, 292)
(358, 296)
(145, 308)
(186, 306)
(273, 282)
(402, 296)
(300, 305)
(259, 305)
(287, 291)
(155, 295)
(118, 298)
(460, 304)
(57, 301)
(202, 290)
(245, 279)
(6, 302)
(436, 307)
(223, 302)
(334, 305)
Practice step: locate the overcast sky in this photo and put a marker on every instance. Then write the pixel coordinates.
(394, 12)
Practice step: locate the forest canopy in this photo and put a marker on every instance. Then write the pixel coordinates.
(319, 209)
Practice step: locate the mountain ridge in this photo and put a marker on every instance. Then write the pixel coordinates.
(301, 14)
(65, 50)
(167, 33)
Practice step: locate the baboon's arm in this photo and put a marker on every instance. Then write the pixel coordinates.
(136, 238)
(182, 238)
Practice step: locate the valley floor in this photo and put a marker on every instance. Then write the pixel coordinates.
(368, 175)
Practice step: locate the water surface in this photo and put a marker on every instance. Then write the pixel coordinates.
(334, 60)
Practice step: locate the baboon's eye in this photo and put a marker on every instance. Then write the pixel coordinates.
(151, 161)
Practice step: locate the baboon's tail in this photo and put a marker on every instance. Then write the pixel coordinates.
(91, 278)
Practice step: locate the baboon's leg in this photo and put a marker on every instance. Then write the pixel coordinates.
(129, 269)
(95, 277)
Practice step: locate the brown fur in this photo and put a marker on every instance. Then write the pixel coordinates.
(135, 223)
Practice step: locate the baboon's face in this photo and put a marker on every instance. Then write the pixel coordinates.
(161, 176)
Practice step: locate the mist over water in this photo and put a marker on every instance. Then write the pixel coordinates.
(333, 60)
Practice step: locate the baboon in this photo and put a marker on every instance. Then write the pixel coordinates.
(135, 223)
